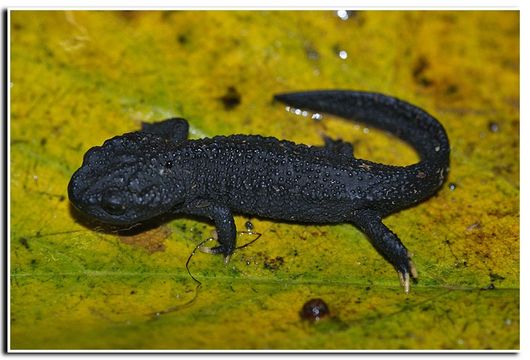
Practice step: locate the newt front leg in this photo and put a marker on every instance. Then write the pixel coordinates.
(224, 225)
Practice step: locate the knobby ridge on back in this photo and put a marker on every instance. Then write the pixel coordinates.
(140, 175)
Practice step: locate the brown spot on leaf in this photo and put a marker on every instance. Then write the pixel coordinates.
(231, 98)
(24, 242)
(273, 263)
(129, 15)
(183, 39)
(150, 240)
(418, 72)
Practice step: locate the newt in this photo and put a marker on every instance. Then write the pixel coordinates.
(141, 175)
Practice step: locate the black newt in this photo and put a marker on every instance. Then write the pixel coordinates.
(140, 175)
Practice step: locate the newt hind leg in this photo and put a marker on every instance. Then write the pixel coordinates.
(387, 244)
(338, 146)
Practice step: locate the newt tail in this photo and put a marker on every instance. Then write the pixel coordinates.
(407, 185)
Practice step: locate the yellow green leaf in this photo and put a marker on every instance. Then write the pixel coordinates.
(78, 78)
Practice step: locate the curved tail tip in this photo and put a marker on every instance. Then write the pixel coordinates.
(280, 97)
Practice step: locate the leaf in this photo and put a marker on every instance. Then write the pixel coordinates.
(80, 77)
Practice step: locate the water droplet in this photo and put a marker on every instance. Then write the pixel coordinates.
(493, 126)
(249, 226)
(316, 116)
(343, 14)
(343, 54)
(314, 310)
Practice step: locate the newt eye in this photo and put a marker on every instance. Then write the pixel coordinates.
(113, 202)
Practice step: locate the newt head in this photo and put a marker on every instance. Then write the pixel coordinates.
(129, 179)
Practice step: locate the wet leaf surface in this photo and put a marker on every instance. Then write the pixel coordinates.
(78, 78)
